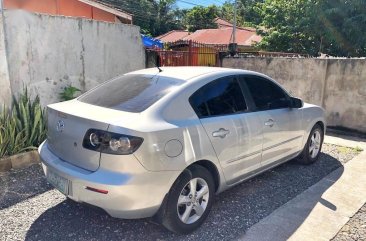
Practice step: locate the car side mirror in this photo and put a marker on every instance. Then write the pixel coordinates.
(296, 102)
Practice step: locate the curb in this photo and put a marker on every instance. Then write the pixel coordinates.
(18, 161)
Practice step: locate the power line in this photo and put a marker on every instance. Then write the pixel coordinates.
(208, 2)
(213, 2)
(193, 4)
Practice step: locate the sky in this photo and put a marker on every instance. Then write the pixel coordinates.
(192, 3)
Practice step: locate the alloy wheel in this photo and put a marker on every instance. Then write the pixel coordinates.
(315, 143)
(193, 200)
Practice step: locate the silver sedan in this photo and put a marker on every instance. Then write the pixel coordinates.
(161, 144)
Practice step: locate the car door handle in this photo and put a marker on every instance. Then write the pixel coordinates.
(269, 123)
(222, 133)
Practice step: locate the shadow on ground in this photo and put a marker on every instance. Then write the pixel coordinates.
(233, 212)
(287, 220)
(19, 185)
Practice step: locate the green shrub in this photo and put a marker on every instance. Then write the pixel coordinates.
(11, 141)
(23, 127)
(69, 93)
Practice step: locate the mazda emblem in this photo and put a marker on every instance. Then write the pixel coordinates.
(60, 126)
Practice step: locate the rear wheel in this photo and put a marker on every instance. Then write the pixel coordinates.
(313, 146)
(189, 200)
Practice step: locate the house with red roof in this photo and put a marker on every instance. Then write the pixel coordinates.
(245, 37)
(222, 23)
(90, 9)
(173, 36)
(202, 47)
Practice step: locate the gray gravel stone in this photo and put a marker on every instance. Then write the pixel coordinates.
(31, 210)
(355, 229)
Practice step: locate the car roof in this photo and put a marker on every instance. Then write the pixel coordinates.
(186, 73)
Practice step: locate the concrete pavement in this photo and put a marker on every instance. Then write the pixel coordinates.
(324, 208)
(348, 141)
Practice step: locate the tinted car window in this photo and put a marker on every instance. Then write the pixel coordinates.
(132, 93)
(266, 94)
(220, 97)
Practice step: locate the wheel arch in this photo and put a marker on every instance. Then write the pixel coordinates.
(322, 125)
(212, 168)
(310, 126)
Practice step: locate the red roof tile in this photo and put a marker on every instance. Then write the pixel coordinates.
(221, 23)
(223, 36)
(173, 35)
(245, 36)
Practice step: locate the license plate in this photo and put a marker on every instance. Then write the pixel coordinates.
(60, 183)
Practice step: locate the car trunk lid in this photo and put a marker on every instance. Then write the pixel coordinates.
(67, 124)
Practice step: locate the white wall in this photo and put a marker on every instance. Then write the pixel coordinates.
(5, 91)
(46, 53)
(339, 85)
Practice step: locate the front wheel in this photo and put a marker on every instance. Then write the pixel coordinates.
(189, 200)
(313, 146)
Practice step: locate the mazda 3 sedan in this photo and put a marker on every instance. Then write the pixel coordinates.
(161, 143)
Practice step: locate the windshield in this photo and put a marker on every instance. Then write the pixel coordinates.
(131, 93)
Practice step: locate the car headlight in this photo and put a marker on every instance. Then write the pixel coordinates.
(111, 143)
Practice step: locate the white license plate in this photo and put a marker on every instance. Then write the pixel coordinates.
(60, 183)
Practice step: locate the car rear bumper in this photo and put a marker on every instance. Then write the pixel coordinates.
(136, 194)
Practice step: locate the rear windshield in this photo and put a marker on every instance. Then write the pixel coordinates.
(131, 93)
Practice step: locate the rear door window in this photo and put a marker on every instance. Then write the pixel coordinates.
(219, 97)
(131, 93)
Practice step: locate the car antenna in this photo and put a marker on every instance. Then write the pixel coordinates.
(158, 63)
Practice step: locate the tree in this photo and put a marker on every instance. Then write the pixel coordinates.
(344, 25)
(166, 18)
(247, 14)
(154, 17)
(227, 13)
(288, 26)
(249, 11)
(201, 18)
(311, 26)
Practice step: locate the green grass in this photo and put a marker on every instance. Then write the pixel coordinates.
(358, 149)
(348, 150)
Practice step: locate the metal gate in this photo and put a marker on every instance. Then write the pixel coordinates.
(189, 53)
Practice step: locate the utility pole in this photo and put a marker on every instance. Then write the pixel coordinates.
(234, 24)
(233, 45)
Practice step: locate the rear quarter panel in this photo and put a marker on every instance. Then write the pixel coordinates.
(173, 119)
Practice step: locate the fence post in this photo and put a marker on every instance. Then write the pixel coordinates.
(190, 53)
(218, 60)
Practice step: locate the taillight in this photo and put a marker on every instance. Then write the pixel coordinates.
(111, 143)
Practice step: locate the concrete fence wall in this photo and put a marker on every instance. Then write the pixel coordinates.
(5, 89)
(46, 53)
(338, 85)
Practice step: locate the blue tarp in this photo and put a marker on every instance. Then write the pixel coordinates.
(150, 42)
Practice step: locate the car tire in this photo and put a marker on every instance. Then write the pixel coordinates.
(313, 146)
(194, 206)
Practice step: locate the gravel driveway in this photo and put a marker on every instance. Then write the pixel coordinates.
(30, 209)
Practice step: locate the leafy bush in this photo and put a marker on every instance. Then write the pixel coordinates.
(11, 141)
(69, 93)
(23, 127)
